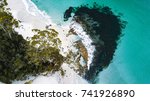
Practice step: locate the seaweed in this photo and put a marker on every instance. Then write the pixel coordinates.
(102, 23)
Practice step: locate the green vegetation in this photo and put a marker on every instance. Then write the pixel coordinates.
(43, 51)
(20, 58)
(12, 47)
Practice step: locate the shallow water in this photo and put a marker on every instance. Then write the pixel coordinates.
(131, 63)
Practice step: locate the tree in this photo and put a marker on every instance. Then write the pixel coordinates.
(12, 47)
(43, 51)
(20, 58)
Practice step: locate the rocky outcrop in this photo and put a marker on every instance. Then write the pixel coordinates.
(82, 50)
(105, 29)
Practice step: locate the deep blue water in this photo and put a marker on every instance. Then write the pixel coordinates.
(131, 63)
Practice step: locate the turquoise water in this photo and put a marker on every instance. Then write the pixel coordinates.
(56, 8)
(131, 63)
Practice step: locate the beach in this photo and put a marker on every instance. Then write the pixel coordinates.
(130, 63)
(29, 19)
(32, 18)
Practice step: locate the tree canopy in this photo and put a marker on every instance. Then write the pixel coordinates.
(20, 58)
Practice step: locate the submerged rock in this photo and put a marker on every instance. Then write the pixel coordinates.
(104, 29)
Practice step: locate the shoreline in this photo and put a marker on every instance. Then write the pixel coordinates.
(36, 19)
(85, 40)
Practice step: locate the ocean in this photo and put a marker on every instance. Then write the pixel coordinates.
(131, 63)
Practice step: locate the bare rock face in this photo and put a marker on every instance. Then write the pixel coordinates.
(78, 59)
(82, 50)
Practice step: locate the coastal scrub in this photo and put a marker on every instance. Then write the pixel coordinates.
(20, 58)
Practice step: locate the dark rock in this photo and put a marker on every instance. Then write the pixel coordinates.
(99, 22)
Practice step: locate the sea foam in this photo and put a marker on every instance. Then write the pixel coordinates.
(33, 10)
(70, 75)
(86, 40)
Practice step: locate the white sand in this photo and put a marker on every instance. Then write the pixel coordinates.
(31, 18)
(29, 15)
